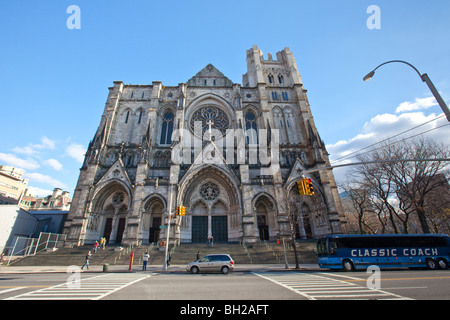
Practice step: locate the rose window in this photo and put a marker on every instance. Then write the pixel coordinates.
(118, 198)
(210, 115)
(209, 191)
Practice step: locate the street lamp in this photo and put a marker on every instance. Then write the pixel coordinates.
(424, 78)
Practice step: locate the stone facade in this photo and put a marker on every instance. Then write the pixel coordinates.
(230, 153)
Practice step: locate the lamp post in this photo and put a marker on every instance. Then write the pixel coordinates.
(424, 78)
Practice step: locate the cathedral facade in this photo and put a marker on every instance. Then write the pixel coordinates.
(230, 153)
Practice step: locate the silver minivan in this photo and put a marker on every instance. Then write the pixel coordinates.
(212, 263)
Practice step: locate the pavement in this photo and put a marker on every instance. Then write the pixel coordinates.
(151, 268)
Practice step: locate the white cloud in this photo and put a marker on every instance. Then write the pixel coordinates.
(14, 161)
(42, 178)
(39, 192)
(419, 104)
(55, 164)
(384, 126)
(32, 149)
(76, 151)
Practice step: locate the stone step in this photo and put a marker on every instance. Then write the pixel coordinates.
(268, 253)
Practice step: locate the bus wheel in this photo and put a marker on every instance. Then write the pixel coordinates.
(431, 264)
(348, 265)
(442, 264)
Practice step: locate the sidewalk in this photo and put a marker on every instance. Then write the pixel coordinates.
(152, 268)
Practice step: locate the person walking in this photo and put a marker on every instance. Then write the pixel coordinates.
(86, 263)
(145, 260)
(198, 255)
(95, 246)
(212, 241)
(168, 259)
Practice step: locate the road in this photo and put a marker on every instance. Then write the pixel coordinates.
(242, 286)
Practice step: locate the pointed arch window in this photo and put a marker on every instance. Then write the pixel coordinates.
(167, 128)
(251, 128)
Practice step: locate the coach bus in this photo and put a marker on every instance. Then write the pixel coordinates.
(350, 252)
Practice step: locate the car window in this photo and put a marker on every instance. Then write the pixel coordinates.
(220, 258)
(205, 259)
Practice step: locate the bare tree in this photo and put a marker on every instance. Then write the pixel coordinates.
(399, 189)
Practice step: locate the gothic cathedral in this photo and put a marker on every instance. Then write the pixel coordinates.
(230, 153)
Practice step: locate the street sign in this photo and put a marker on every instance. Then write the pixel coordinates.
(163, 227)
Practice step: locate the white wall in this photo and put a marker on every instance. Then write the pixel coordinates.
(14, 222)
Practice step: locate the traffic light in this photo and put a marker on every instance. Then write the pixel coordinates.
(301, 187)
(181, 211)
(309, 187)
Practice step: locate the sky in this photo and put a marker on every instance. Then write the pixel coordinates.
(54, 78)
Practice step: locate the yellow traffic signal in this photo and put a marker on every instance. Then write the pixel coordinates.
(301, 187)
(309, 187)
(181, 211)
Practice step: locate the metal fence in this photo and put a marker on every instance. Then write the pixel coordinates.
(30, 246)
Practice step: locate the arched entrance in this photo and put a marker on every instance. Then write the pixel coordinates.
(152, 214)
(109, 215)
(265, 216)
(212, 206)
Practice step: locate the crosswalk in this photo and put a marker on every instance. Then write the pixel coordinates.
(321, 287)
(93, 288)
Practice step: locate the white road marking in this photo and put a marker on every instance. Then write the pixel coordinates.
(320, 286)
(93, 288)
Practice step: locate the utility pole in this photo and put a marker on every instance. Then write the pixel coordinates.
(168, 222)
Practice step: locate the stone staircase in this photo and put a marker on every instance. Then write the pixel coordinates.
(261, 253)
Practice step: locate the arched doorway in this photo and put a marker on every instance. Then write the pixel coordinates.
(110, 210)
(212, 205)
(265, 216)
(219, 222)
(152, 219)
(199, 216)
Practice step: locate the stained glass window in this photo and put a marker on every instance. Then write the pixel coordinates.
(251, 128)
(210, 114)
(167, 128)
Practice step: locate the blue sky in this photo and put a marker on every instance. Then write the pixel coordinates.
(54, 81)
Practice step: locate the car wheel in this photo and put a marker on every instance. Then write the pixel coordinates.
(194, 270)
(225, 269)
(431, 264)
(442, 264)
(348, 266)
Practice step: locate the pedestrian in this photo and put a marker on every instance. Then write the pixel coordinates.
(145, 260)
(104, 242)
(208, 241)
(168, 259)
(86, 263)
(95, 246)
(212, 241)
(198, 255)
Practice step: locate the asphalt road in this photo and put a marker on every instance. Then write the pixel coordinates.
(237, 286)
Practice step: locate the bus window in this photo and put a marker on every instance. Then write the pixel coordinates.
(333, 246)
(322, 247)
